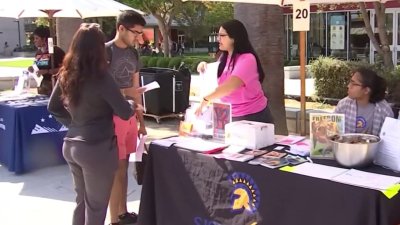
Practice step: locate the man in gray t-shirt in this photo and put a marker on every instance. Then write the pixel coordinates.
(124, 68)
(123, 63)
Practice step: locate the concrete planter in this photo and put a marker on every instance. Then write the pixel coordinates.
(23, 54)
(293, 72)
(7, 83)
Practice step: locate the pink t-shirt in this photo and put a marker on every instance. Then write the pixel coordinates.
(249, 98)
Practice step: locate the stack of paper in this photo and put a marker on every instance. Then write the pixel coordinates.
(234, 156)
(389, 148)
(318, 171)
(367, 180)
(301, 148)
(290, 140)
(192, 143)
(299, 145)
(200, 145)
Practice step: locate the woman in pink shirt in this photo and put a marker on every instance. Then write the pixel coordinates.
(239, 76)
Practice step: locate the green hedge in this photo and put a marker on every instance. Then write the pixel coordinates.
(174, 62)
(162, 62)
(152, 62)
(188, 62)
(145, 60)
(393, 84)
(332, 77)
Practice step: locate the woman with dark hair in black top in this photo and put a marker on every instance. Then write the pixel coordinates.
(84, 99)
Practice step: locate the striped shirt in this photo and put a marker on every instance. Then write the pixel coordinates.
(348, 107)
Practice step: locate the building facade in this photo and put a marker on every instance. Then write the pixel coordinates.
(339, 31)
(12, 32)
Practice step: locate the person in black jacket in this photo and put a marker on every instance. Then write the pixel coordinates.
(84, 99)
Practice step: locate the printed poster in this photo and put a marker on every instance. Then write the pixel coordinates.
(337, 30)
(323, 126)
(222, 115)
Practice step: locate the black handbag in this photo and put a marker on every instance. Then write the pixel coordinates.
(140, 168)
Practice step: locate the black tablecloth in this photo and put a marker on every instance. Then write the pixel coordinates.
(182, 187)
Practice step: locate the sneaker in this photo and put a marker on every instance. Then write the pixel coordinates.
(127, 218)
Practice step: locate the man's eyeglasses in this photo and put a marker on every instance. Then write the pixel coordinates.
(135, 32)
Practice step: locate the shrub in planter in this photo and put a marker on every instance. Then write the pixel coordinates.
(145, 60)
(331, 77)
(188, 63)
(210, 60)
(393, 85)
(174, 62)
(163, 62)
(152, 62)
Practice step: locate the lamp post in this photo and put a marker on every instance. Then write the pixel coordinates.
(19, 33)
(212, 40)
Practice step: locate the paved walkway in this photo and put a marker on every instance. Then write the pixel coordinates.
(46, 196)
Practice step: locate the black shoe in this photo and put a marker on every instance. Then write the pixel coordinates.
(127, 218)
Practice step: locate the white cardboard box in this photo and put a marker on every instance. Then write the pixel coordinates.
(250, 134)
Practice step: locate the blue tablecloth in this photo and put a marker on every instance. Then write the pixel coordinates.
(30, 138)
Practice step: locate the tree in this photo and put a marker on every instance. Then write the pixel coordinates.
(164, 11)
(191, 18)
(382, 47)
(198, 19)
(218, 12)
(107, 25)
(267, 35)
(42, 21)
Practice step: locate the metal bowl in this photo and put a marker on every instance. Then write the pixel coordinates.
(355, 150)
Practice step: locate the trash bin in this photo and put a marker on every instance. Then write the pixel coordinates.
(173, 94)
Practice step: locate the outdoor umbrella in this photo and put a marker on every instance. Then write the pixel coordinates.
(63, 8)
(302, 38)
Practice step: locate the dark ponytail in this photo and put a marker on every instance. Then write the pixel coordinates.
(375, 83)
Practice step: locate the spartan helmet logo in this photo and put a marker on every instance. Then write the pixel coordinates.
(242, 201)
(245, 195)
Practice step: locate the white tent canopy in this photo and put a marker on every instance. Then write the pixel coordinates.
(63, 8)
(289, 2)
